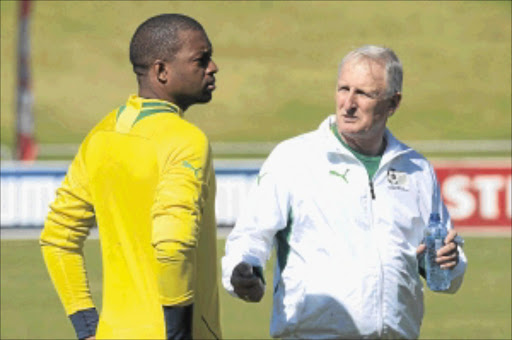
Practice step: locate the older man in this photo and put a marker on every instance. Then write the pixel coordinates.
(346, 206)
(145, 175)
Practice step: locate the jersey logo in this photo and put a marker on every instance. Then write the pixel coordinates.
(186, 164)
(397, 180)
(344, 176)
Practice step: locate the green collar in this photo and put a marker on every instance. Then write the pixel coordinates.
(357, 154)
(371, 163)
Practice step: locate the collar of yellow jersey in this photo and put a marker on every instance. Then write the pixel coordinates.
(137, 108)
(153, 105)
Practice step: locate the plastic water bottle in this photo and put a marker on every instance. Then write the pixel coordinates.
(437, 279)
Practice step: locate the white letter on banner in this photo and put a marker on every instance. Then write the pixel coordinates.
(26, 201)
(47, 192)
(488, 187)
(9, 199)
(461, 203)
(223, 201)
(231, 196)
(36, 194)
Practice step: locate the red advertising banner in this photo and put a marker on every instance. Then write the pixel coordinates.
(477, 194)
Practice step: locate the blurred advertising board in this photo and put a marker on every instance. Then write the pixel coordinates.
(478, 193)
(27, 189)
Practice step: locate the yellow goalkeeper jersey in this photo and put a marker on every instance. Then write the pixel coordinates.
(145, 176)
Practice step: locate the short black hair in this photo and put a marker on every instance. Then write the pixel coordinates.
(158, 38)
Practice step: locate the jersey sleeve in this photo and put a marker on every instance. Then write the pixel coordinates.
(177, 212)
(66, 227)
(264, 214)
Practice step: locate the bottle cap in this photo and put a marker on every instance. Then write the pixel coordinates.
(434, 217)
(459, 241)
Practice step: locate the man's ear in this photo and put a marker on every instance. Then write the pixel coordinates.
(394, 103)
(160, 71)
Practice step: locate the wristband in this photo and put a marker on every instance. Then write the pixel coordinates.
(178, 322)
(85, 322)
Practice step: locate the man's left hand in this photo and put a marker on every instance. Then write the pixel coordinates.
(447, 255)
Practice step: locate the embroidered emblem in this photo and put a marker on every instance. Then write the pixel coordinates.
(398, 180)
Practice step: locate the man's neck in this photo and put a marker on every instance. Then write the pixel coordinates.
(366, 146)
(148, 94)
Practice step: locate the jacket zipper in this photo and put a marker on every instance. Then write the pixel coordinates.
(380, 317)
(372, 190)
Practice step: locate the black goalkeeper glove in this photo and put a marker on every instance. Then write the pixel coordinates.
(248, 282)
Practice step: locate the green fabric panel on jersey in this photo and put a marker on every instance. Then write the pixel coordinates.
(119, 111)
(125, 118)
(156, 104)
(283, 244)
(371, 163)
(150, 108)
(148, 112)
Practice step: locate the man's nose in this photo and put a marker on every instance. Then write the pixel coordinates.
(212, 67)
(350, 102)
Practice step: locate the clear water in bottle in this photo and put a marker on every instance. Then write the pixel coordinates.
(437, 279)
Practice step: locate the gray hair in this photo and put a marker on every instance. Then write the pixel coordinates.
(394, 71)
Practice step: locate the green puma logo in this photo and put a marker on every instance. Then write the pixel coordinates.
(260, 177)
(186, 164)
(344, 176)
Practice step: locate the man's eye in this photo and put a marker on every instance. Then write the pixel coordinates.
(204, 61)
(342, 88)
(364, 94)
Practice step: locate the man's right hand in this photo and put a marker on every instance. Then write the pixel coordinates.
(248, 286)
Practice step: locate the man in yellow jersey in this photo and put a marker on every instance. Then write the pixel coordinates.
(145, 176)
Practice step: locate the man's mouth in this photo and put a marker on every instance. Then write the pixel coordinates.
(211, 86)
(349, 117)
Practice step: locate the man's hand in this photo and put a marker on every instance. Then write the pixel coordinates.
(248, 286)
(447, 255)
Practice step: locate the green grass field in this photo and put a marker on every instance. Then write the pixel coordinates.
(30, 308)
(278, 64)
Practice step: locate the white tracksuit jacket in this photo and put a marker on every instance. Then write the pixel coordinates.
(346, 247)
